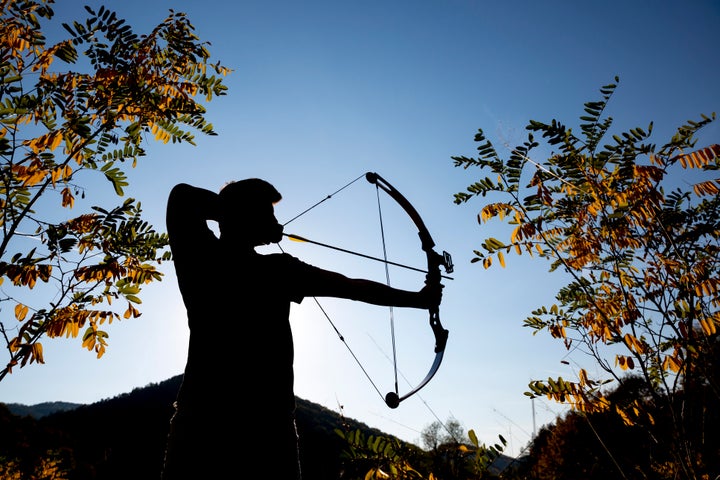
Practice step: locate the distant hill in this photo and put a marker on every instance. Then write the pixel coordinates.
(40, 410)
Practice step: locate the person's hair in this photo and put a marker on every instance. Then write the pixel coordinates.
(250, 190)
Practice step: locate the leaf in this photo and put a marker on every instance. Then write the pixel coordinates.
(671, 362)
(68, 200)
(37, 353)
(708, 326)
(700, 158)
(133, 299)
(473, 438)
(116, 177)
(21, 311)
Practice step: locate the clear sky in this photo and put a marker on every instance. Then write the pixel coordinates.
(323, 91)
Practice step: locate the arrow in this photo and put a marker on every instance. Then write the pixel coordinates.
(298, 238)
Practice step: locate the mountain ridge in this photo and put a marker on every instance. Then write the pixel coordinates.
(42, 409)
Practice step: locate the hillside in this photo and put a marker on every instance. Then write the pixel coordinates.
(124, 437)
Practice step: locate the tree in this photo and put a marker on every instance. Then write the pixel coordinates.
(59, 127)
(454, 454)
(592, 445)
(640, 243)
(438, 433)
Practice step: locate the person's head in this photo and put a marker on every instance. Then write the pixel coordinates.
(247, 214)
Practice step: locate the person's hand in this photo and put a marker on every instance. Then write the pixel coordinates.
(432, 294)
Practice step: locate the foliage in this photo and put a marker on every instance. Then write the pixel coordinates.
(482, 456)
(47, 468)
(640, 242)
(57, 124)
(610, 449)
(607, 448)
(380, 457)
(377, 457)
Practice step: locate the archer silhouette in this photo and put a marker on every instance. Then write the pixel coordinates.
(237, 387)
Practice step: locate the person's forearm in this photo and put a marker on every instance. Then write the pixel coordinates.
(188, 203)
(380, 294)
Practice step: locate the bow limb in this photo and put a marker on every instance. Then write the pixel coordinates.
(434, 261)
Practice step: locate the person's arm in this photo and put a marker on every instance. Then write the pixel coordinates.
(188, 210)
(192, 203)
(337, 285)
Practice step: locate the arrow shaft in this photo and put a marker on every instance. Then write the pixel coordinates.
(292, 236)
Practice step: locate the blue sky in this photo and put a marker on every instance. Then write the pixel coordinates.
(323, 91)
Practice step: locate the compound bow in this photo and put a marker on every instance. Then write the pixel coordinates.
(433, 276)
(434, 261)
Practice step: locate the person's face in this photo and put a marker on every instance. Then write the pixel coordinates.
(256, 225)
(266, 227)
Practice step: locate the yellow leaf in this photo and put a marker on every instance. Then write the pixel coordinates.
(671, 363)
(626, 420)
(54, 175)
(516, 235)
(73, 330)
(700, 158)
(37, 353)
(707, 188)
(89, 342)
(67, 198)
(620, 360)
(131, 312)
(21, 311)
(54, 140)
(708, 326)
(501, 258)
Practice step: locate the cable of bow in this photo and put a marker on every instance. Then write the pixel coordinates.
(434, 262)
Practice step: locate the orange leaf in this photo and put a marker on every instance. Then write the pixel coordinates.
(67, 198)
(21, 311)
